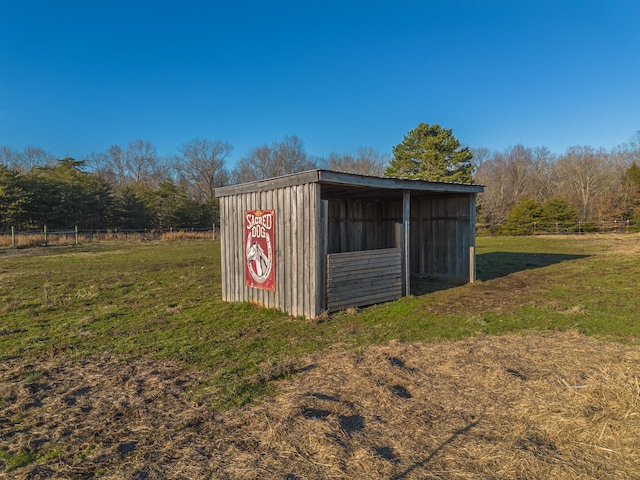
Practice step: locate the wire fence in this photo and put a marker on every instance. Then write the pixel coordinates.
(44, 238)
(615, 226)
(569, 228)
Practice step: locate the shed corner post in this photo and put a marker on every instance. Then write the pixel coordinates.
(406, 250)
(472, 238)
(322, 236)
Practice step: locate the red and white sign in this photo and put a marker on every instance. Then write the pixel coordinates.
(259, 249)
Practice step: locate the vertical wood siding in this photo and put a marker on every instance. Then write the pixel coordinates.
(296, 244)
(441, 236)
(356, 225)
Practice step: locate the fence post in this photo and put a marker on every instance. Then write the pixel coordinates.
(76, 235)
(214, 230)
(13, 237)
(45, 236)
(534, 228)
(557, 228)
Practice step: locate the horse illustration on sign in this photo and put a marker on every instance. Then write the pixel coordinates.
(259, 241)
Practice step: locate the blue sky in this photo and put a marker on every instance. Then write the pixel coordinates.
(79, 76)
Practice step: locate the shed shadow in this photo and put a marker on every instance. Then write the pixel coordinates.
(493, 265)
(500, 264)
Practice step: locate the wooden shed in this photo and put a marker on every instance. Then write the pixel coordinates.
(321, 241)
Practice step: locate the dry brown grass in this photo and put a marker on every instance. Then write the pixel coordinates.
(613, 243)
(539, 406)
(625, 244)
(55, 239)
(34, 240)
(187, 235)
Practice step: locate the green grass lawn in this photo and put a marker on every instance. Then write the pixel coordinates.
(163, 299)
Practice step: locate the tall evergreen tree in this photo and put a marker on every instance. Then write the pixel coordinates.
(432, 153)
(13, 198)
(631, 193)
(64, 196)
(633, 174)
(135, 208)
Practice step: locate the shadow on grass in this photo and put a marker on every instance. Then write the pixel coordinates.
(500, 264)
(493, 265)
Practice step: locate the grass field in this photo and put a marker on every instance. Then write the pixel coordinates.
(154, 310)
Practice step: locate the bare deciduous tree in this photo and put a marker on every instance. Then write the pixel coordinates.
(629, 152)
(201, 165)
(481, 155)
(584, 174)
(365, 161)
(7, 156)
(507, 178)
(141, 160)
(492, 202)
(519, 161)
(544, 179)
(26, 159)
(281, 158)
(117, 165)
(139, 163)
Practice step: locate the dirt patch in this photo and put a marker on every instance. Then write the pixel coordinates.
(485, 296)
(536, 406)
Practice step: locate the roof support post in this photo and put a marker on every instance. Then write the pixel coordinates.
(406, 251)
(322, 245)
(472, 238)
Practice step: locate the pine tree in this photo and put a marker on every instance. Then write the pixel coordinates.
(432, 153)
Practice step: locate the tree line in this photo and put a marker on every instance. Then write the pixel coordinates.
(585, 184)
(132, 187)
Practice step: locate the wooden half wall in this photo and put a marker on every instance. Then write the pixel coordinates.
(356, 279)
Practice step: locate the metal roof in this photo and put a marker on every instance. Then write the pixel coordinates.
(338, 184)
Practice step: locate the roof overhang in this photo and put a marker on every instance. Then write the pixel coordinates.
(350, 185)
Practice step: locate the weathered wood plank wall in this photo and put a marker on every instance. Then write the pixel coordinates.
(441, 236)
(356, 279)
(441, 231)
(356, 225)
(296, 236)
